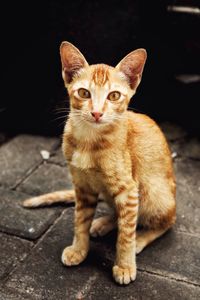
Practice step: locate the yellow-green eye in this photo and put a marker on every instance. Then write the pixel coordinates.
(114, 96)
(83, 93)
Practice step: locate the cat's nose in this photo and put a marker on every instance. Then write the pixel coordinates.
(96, 115)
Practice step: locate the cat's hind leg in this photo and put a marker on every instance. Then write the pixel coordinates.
(145, 237)
(157, 211)
(103, 225)
(155, 223)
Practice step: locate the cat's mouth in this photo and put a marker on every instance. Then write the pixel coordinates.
(93, 121)
(97, 122)
(100, 122)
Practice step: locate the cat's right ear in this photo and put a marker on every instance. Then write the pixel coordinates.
(72, 61)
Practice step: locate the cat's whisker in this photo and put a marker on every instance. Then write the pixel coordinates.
(61, 111)
(58, 118)
(62, 124)
(58, 108)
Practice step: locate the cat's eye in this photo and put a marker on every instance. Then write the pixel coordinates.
(114, 96)
(83, 93)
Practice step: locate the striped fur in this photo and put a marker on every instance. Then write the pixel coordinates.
(100, 74)
(124, 156)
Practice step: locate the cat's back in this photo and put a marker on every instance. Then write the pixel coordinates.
(142, 128)
(142, 124)
(146, 141)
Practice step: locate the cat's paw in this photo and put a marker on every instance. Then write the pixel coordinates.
(102, 226)
(72, 256)
(124, 275)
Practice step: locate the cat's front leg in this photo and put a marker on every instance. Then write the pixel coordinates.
(126, 202)
(84, 213)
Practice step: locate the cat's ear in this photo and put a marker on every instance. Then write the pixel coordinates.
(132, 66)
(72, 61)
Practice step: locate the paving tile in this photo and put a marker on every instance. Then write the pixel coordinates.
(42, 275)
(27, 223)
(146, 287)
(58, 158)
(9, 294)
(189, 148)
(20, 155)
(175, 255)
(188, 195)
(47, 178)
(12, 250)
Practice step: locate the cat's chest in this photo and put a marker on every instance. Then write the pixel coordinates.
(86, 171)
(83, 160)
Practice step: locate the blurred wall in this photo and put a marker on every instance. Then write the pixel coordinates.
(105, 31)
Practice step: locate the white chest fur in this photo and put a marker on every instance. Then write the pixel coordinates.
(82, 160)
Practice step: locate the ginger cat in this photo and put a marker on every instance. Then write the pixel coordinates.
(119, 154)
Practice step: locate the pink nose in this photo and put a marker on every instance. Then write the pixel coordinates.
(96, 115)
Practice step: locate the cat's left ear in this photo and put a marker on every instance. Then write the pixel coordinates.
(72, 61)
(132, 66)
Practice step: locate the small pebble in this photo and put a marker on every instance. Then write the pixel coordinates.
(45, 154)
(174, 154)
(31, 229)
(29, 289)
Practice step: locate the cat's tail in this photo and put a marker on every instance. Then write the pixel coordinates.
(67, 196)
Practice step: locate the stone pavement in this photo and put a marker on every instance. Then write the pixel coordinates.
(32, 240)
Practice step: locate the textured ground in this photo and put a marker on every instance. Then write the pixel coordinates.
(32, 240)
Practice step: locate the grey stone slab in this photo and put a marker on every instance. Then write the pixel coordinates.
(20, 155)
(27, 223)
(175, 254)
(58, 158)
(146, 287)
(42, 275)
(188, 195)
(189, 148)
(47, 178)
(12, 250)
(9, 294)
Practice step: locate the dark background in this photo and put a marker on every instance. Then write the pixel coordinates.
(104, 31)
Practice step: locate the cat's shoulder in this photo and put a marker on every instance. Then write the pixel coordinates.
(139, 119)
(142, 126)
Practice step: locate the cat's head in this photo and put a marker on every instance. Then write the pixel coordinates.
(99, 94)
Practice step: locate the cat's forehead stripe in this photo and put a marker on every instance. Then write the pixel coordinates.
(100, 75)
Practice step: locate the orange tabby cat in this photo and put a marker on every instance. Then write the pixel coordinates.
(116, 153)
